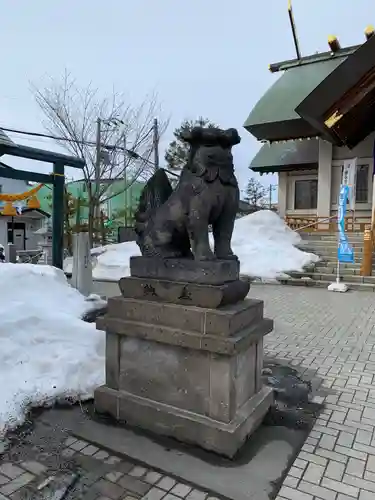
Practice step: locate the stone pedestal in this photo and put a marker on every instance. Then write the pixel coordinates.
(82, 266)
(184, 356)
(46, 242)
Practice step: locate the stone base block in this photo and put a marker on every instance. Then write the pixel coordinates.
(195, 372)
(212, 272)
(222, 322)
(220, 437)
(171, 336)
(187, 294)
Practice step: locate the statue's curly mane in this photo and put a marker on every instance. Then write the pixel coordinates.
(198, 138)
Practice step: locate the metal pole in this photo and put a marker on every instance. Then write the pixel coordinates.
(270, 196)
(338, 245)
(58, 215)
(125, 184)
(338, 269)
(373, 194)
(156, 143)
(97, 169)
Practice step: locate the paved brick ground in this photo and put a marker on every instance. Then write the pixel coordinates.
(101, 477)
(332, 335)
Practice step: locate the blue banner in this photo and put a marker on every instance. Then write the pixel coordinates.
(345, 251)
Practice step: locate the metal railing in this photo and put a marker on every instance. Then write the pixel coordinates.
(302, 223)
(315, 223)
(351, 224)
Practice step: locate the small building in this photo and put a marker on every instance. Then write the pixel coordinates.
(19, 229)
(118, 207)
(319, 112)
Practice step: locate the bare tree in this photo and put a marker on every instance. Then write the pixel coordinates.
(256, 193)
(71, 112)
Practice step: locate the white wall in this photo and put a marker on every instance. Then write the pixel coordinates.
(291, 178)
(324, 179)
(329, 179)
(363, 150)
(364, 154)
(282, 193)
(361, 209)
(32, 224)
(3, 231)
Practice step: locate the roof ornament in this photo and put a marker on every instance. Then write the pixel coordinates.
(334, 43)
(369, 31)
(294, 29)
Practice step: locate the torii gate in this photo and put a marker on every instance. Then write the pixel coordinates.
(57, 179)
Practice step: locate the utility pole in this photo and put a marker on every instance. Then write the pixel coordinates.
(125, 184)
(270, 201)
(156, 143)
(97, 168)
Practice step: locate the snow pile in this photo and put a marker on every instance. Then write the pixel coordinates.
(262, 241)
(46, 351)
(265, 246)
(111, 262)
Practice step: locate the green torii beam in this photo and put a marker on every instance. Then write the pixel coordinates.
(57, 179)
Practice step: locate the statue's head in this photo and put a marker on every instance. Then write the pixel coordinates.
(211, 147)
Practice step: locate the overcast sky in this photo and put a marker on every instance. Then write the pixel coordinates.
(203, 57)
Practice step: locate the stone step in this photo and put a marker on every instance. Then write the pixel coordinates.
(332, 237)
(329, 277)
(331, 266)
(320, 243)
(362, 287)
(331, 269)
(328, 242)
(319, 247)
(309, 241)
(355, 266)
(332, 256)
(328, 236)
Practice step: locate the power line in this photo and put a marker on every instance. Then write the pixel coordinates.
(111, 147)
(133, 154)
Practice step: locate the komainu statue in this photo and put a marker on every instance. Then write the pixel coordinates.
(174, 223)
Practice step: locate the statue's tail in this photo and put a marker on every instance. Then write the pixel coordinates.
(156, 192)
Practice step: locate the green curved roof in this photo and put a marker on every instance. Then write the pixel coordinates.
(274, 116)
(281, 156)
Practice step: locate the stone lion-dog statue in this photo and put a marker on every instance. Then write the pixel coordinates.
(175, 223)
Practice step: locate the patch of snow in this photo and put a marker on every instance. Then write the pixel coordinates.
(112, 261)
(265, 246)
(262, 241)
(109, 262)
(338, 287)
(47, 352)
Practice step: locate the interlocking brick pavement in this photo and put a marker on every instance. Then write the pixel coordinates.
(39, 461)
(330, 335)
(333, 336)
(102, 477)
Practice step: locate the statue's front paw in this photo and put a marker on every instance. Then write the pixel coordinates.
(227, 257)
(225, 254)
(204, 256)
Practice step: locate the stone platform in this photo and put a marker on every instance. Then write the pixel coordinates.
(179, 368)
